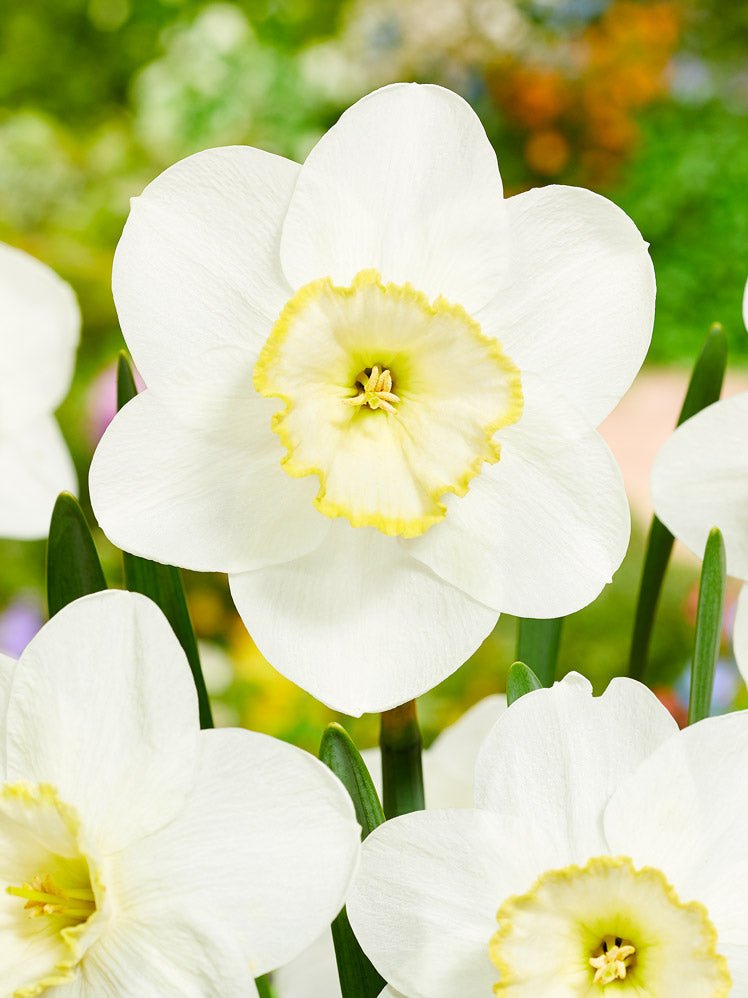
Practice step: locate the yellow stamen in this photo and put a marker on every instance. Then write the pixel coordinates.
(612, 960)
(376, 390)
(44, 897)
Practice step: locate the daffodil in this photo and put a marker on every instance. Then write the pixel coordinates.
(448, 766)
(39, 328)
(605, 856)
(700, 481)
(140, 856)
(373, 387)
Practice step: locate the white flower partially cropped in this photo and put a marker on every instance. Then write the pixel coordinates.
(139, 855)
(607, 850)
(700, 481)
(373, 387)
(39, 329)
(448, 766)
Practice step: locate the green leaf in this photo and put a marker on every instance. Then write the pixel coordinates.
(339, 754)
(358, 978)
(520, 680)
(708, 627)
(703, 389)
(73, 566)
(163, 583)
(126, 387)
(538, 642)
(402, 772)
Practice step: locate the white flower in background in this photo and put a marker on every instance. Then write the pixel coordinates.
(607, 850)
(448, 766)
(138, 854)
(39, 329)
(700, 481)
(373, 387)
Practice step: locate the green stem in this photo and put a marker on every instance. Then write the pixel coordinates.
(538, 642)
(402, 772)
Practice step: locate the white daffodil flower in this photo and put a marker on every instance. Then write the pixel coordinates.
(140, 856)
(39, 329)
(606, 856)
(373, 387)
(448, 766)
(700, 481)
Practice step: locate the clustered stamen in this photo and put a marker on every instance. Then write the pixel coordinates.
(612, 960)
(44, 897)
(375, 390)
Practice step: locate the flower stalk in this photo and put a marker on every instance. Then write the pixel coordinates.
(402, 771)
(538, 642)
(708, 627)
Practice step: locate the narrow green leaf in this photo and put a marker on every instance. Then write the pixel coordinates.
(520, 680)
(402, 772)
(163, 583)
(126, 387)
(73, 566)
(339, 754)
(358, 978)
(538, 642)
(703, 389)
(708, 627)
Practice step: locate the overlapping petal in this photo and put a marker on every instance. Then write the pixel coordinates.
(358, 623)
(424, 902)
(700, 480)
(239, 872)
(197, 265)
(406, 182)
(556, 756)
(91, 714)
(740, 632)
(7, 668)
(541, 532)
(38, 338)
(204, 487)
(578, 302)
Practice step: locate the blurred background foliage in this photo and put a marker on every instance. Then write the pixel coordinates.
(646, 102)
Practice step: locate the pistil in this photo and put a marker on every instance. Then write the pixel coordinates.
(612, 961)
(44, 897)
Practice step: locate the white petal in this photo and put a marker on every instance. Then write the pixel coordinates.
(313, 972)
(103, 706)
(578, 304)
(406, 182)
(256, 865)
(700, 480)
(36, 467)
(740, 633)
(38, 337)
(541, 532)
(424, 903)
(202, 486)
(358, 623)
(684, 810)
(7, 668)
(449, 764)
(555, 757)
(197, 265)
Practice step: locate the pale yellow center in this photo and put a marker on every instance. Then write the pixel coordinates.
(390, 399)
(612, 959)
(375, 390)
(607, 924)
(44, 896)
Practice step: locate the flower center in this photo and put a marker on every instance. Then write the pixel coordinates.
(607, 924)
(51, 891)
(440, 387)
(374, 390)
(612, 959)
(45, 897)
